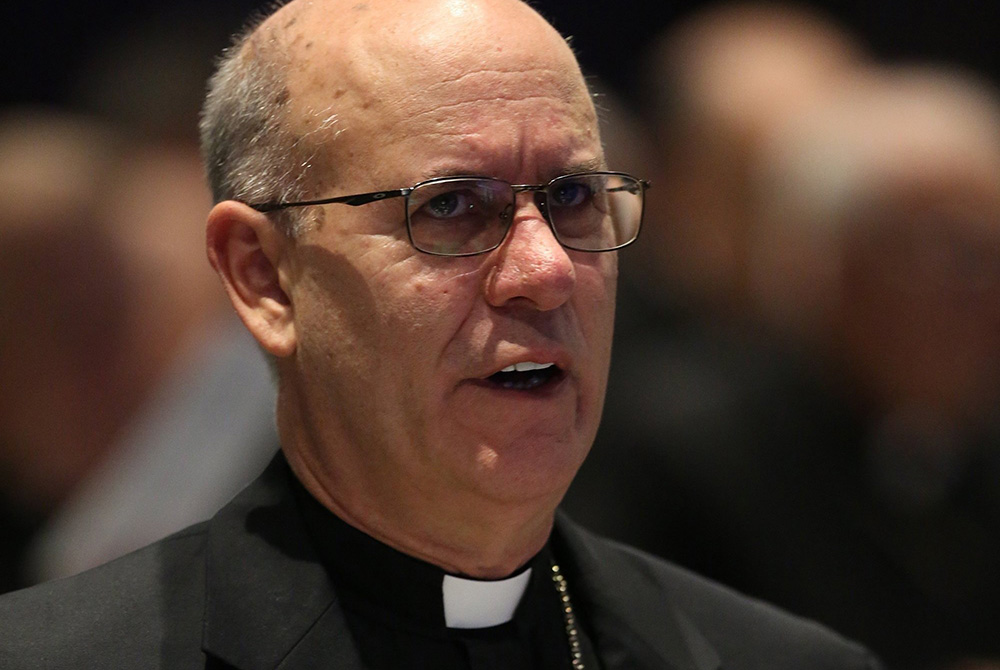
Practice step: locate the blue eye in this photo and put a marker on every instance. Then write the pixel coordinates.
(569, 194)
(450, 204)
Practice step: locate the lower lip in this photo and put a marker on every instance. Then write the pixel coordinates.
(516, 414)
(545, 390)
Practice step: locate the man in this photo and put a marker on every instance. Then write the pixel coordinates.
(441, 359)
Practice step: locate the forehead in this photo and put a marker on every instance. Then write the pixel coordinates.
(494, 121)
(469, 81)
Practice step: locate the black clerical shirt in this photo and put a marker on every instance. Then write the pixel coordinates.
(394, 607)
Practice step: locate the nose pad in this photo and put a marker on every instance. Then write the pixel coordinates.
(537, 199)
(507, 214)
(542, 204)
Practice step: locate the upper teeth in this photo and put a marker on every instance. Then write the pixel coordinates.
(527, 366)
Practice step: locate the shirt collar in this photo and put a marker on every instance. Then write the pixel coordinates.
(475, 603)
(379, 581)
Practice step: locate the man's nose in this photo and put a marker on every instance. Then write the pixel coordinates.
(530, 266)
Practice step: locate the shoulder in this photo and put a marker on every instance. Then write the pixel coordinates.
(749, 629)
(127, 613)
(741, 632)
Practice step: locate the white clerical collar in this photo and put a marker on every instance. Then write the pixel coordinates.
(473, 603)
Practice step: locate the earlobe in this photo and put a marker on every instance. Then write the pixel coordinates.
(246, 250)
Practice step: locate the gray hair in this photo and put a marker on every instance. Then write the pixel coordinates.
(250, 152)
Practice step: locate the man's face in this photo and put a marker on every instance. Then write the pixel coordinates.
(397, 352)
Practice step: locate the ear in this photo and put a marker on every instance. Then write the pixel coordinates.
(247, 251)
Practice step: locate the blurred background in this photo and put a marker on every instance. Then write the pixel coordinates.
(49, 43)
(803, 401)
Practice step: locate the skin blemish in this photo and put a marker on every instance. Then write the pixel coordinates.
(487, 458)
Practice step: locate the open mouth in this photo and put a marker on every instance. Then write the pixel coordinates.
(526, 376)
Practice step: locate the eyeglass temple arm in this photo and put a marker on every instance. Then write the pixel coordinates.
(352, 200)
(643, 184)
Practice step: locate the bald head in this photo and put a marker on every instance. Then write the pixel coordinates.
(363, 44)
(303, 94)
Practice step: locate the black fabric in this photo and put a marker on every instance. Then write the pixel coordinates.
(17, 530)
(394, 607)
(248, 591)
(748, 464)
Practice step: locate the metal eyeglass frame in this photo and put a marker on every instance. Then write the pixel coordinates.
(359, 199)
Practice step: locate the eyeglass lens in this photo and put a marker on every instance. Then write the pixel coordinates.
(590, 212)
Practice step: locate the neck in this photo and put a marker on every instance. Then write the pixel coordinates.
(461, 529)
(478, 541)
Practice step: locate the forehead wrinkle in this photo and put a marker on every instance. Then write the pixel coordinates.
(581, 155)
(557, 75)
(497, 84)
(431, 110)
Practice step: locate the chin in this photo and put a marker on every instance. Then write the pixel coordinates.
(528, 469)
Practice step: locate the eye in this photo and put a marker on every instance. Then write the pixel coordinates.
(569, 193)
(451, 204)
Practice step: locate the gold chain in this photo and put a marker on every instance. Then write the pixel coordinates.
(569, 617)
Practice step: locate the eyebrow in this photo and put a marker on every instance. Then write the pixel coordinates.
(591, 165)
(595, 163)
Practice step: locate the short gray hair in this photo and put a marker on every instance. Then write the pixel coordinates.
(251, 154)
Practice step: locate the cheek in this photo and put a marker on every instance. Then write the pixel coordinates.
(428, 307)
(336, 314)
(436, 280)
(596, 287)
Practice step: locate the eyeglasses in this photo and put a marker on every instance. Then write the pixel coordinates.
(465, 216)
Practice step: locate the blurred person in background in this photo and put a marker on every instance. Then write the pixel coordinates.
(63, 332)
(808, 399)
(718, 83)
(137, 404)
(849, 474)
(689, 351)
(116, 345)
(880, 228)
